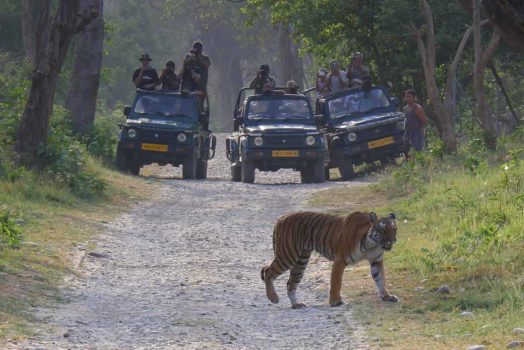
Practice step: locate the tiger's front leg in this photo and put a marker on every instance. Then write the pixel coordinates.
(336, 282)
(379, 276)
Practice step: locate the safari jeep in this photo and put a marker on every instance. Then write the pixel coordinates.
(273, 132)
(166, 128)
(362, 125)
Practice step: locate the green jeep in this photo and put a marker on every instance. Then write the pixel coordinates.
(166, 127)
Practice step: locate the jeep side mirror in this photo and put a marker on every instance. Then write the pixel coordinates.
(127, 111)
(394, 101)
(320, 119)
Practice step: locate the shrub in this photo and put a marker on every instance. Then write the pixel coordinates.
(64, 158)
(10, 234)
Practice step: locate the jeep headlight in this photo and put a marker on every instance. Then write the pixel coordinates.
(258, 141)
(352, 137)
(131, 133)
(181, 137)
(310, 140)
(400, 125)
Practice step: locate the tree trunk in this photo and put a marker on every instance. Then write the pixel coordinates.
(35, 22)
(33, 129)
(85, 79)
(444, 118)
(484, 114)
(290, 64)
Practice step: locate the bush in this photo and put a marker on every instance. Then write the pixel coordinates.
(10, 234)
(103, 137)
(64, 158)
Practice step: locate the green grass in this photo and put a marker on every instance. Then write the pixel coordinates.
(53, 222)
(457, 225)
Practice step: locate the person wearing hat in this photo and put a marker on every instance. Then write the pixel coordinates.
(262, 77)
(337, 79)
(195, 69)
(168, 78)
(146, 77)
(356, 70)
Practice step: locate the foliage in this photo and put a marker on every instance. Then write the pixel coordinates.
(10, 233)
(103, 138)
(64, 158)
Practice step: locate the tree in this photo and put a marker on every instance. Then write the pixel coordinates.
(49, 56)
(85, 79)
(482, 58)
(35, 19)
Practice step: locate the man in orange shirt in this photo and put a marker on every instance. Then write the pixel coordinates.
(414, 124)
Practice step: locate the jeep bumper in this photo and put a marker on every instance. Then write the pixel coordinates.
(373, 150)
(149, 153)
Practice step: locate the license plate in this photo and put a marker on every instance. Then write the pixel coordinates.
(154, 147)
(284, 153)
(381, 142)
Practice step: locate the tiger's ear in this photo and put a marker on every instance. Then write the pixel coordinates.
(373, 218)
(392, 216)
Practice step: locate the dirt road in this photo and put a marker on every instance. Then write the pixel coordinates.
(183, 272)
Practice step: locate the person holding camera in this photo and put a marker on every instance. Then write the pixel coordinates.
(261, 79)
(168, 78)
(356, 70)
(145, 77)
(195, 69)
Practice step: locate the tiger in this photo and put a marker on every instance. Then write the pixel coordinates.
(343, 240)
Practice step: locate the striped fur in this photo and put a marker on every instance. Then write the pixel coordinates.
(343, 240)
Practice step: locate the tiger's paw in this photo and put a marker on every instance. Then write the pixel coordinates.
(390, 298)
(336, 303)
(299, 306)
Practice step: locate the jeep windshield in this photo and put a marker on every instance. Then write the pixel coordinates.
(167, 106)
(279, 109)
(357, 102)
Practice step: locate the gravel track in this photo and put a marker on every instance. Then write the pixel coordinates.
(183, 272)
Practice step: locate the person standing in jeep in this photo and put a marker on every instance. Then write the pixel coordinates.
(146, 77)
(195, 69)
(414, 124)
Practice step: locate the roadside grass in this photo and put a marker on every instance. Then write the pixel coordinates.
(459, 225)
(55, 225)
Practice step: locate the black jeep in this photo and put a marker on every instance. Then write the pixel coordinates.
(166, 128)
(273, 132)
(361, 125)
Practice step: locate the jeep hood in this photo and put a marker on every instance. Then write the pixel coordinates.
(365, 121)
(280, 128)
(162, 123)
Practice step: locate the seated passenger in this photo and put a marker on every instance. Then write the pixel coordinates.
(291, 87)
(262, 77)
(169, 79)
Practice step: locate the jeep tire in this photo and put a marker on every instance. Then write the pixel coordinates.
(318, 172)
(345, 166)
(248, 172)
(189, 167)
(201, 171)
(134, 166)
(236, 173)
(121, 160)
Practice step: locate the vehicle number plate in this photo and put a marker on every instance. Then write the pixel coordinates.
(154, 147)
(284, 153)
(381, 142)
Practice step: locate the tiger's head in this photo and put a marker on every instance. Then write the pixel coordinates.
(384, 230)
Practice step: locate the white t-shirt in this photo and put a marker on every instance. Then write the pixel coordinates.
(337, 82)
